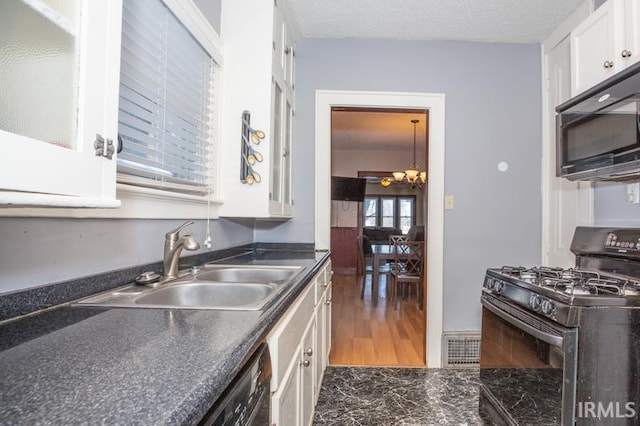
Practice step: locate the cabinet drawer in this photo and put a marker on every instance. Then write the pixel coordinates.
(285, 338)
(323, 278)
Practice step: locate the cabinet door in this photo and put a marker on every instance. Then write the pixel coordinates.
(281, 193)
(285, 402)
(289, 57)
(592, 49)
(630, 50)
(321, 323)
(327, 327)
(59, 89)
(279, 32)
(308, 361)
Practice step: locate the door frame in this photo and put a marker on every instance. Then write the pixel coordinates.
(435, 103)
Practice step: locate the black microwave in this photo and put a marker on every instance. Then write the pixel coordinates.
(598, 131)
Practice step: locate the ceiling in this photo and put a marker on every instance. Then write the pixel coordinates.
(386, 130)
(509, 21)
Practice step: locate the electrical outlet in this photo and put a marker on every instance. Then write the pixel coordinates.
(448, 202)
(633, 193)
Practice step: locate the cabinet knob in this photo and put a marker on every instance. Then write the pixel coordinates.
(328, 301)
(308, 351)
(626, 53)
(608, 64)
(305, 363)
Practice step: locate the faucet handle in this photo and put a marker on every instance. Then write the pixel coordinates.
(175, 234)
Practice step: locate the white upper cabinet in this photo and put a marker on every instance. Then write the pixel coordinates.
(605, 43)
(58, 95)
(258, 78)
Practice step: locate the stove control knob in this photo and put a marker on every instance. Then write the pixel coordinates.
(498, 287)
(547, 307)
(489, 283)
(534, 302)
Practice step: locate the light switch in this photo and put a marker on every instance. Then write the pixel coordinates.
(633, 193)
(448, 202)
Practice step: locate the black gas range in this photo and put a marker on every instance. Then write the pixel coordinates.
(562, 345)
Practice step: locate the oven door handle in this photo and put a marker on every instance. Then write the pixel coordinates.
(538, 334)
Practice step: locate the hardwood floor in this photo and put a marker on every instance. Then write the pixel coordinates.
(366, 336)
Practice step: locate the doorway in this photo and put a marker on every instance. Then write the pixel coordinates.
(434, 103)
(368, 330)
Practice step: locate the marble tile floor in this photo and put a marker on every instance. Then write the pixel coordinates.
(399, 396)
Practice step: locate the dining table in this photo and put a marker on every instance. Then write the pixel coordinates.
(381, 254)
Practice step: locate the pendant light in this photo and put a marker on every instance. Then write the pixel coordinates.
(413, 176)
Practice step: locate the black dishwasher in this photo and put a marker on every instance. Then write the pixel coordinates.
(246, 401)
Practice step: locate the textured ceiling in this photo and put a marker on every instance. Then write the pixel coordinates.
(516, 21)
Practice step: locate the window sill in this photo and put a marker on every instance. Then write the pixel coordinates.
(136, 203)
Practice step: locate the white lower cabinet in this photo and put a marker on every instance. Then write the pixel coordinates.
(285, 409)
(299, 353)
(308, 373)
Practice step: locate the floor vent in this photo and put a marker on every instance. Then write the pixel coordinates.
(461, 349)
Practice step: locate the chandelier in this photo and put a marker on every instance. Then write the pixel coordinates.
(413, 176)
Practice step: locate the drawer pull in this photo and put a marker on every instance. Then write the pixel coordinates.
(305, 363)
(608, 64)
(308, 352)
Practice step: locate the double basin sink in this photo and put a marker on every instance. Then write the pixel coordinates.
(231, 287)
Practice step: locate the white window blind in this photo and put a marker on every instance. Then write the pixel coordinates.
(166, 101)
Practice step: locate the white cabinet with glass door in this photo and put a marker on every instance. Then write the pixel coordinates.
(258, 78)
(59, 102)
(605, 43)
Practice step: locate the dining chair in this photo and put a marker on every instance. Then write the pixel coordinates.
(365, 267)
(394, 238)
(408, 270)
(395, 242)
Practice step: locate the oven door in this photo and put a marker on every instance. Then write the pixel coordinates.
(527, 366)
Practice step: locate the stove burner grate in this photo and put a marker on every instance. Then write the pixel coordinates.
(574, 282)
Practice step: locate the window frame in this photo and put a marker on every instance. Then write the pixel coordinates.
(135, 199)
(396, 210)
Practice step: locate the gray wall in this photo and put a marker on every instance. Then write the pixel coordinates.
(611, 208)
(36, 251)
(493, 114)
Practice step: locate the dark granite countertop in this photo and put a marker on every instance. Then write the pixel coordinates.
(85, 365)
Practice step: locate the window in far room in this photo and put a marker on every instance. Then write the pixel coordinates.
(389, 212)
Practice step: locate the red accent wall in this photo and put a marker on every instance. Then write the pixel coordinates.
(343, 250)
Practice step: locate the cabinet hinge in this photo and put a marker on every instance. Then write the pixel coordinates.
(271, 196)
(274, 46)
(275, 3)
(103, 148)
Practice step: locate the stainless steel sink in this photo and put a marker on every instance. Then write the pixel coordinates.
(230, 287)
(209, 295)
(247, 273)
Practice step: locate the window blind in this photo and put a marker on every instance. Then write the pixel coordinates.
(166, 98)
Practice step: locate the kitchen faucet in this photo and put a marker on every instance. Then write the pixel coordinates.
(173, 245)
